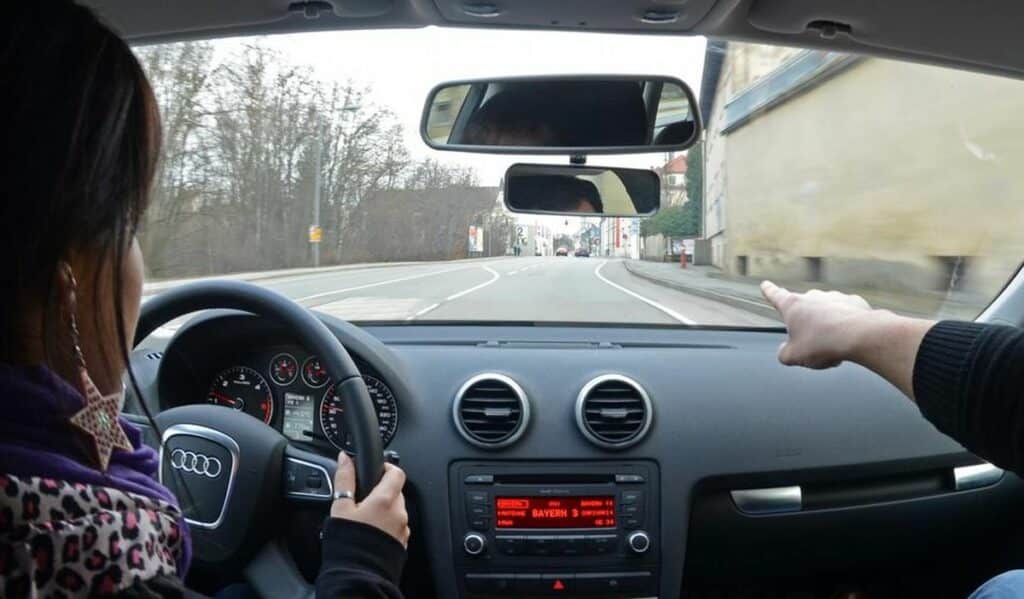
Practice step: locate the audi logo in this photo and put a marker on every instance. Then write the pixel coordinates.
(196, 463)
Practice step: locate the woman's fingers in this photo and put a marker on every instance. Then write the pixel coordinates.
(344, 480)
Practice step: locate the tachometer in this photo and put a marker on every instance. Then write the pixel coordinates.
(331, 413)
(284, 369)
(313, 373)
(243, 389)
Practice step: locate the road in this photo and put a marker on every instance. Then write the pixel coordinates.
(509, 289)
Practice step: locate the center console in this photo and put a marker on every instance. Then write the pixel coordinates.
(555, 528)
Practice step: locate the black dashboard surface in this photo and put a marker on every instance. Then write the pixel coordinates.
(726, 415)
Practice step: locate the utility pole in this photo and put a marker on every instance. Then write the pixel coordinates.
(314, 231)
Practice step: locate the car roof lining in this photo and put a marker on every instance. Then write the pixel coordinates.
(978, 36)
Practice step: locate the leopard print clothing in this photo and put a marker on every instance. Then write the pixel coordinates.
(61, 539)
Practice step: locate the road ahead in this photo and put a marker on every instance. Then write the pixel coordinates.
(519, 289)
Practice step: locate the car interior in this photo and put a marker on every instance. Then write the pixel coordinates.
(575, 459)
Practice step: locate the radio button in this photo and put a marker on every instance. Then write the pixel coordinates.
(540, 545)
(477, 497)
(490, 583)
(481, 524)
(474, 543)
(614, 582)
(629, 478)
(631, 509)
(632, 522)
(479, 479)
(631, 497)
(511, 545)
(638, 542)
(570, 545)
(600, 544)
(476, 511)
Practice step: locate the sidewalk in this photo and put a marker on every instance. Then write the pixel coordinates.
(704, 281)
(745, 293)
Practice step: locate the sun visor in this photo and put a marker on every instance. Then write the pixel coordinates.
(947, 29)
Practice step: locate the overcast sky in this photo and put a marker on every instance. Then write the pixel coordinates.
(401, 66)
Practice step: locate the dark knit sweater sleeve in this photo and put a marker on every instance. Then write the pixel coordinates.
(359, 562)
(969, 382)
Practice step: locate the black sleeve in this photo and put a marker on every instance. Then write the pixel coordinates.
(969, 382)
(359, 562)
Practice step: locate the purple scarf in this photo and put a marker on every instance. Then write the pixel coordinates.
(36, 439)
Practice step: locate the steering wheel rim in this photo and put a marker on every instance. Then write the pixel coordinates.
(360, 415)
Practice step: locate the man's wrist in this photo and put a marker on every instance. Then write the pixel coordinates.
(868, 331)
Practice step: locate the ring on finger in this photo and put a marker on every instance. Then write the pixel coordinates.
(344, 495)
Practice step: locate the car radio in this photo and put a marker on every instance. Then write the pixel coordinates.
(549, 529)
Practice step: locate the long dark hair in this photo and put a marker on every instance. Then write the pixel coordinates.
(80, 135)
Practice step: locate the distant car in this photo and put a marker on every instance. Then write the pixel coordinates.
(582, 253)
(562, 251)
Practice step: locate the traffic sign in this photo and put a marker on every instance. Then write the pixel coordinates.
(316, 233)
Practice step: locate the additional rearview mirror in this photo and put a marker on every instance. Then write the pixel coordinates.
(581, 190)
(562, 115)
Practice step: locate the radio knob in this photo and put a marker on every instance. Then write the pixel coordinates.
(474, 543)
(638, 542)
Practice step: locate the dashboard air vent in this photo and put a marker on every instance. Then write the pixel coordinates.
(491, 411)
(613, 411)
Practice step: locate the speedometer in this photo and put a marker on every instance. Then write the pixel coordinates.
(333, 423)
(242, 389)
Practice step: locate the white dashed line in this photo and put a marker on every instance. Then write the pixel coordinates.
(649, 302)
(423, 311)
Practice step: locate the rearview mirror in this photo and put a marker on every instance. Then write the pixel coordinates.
(562, 115)
(581, 190)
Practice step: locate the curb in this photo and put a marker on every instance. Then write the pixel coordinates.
(759, 308)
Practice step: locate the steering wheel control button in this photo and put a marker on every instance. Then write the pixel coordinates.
(474, 543)
(638, 542)
(305, 480)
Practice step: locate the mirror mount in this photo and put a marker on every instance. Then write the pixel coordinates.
(579, 159)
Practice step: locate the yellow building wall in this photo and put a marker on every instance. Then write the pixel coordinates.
(878, 170)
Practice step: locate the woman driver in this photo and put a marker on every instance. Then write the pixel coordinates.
(81, 134)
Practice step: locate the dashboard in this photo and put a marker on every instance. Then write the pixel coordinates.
(735, 466)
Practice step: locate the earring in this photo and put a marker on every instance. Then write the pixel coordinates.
(97, 420)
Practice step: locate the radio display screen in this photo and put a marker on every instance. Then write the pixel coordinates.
(555, 512)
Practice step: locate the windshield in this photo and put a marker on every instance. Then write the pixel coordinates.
(295, 162)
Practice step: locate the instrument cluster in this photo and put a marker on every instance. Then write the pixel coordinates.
(292, 392)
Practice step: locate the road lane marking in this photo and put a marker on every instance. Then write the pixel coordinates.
(380, 283)
(494, 277)
(650, 302)
(423, 311)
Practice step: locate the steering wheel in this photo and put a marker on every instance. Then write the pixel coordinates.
(230, 471)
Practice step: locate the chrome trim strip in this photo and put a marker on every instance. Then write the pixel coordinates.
(215, 436)
(771, 500)
(524, 404)
(581, 398)
(327, 475)
(976, 476)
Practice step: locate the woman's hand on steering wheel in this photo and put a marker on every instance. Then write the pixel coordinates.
(383, 508)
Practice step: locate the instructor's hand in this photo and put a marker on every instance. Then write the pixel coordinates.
(824, 326)
(383, 508)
